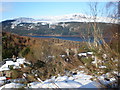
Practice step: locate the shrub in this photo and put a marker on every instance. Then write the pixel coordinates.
(25, 51)
(15, 74)
(39, 64)
(11, 67)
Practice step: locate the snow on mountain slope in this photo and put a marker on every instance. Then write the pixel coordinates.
(65, 18)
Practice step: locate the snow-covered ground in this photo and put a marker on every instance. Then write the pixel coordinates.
(77, 80)
(12, 85)
(15, 64)
(73, 81)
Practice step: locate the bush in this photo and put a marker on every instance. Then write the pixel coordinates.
(39, 64)
(15, 74)
(11, 67)
(25, 51)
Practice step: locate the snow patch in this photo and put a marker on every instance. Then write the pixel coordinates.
(12, 85)
(16, 64)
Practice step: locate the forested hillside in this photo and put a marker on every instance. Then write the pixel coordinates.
(61, 28)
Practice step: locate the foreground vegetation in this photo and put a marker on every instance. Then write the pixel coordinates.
(45, 56)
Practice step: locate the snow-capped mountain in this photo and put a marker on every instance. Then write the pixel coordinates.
(24, 19)
(71, 24)
(65, 18)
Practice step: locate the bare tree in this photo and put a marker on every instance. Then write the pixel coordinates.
(99, 45)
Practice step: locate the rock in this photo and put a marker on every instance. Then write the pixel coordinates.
(14, 58)
(106, 79)
(75, 73)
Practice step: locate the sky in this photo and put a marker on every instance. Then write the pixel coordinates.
(11, 10)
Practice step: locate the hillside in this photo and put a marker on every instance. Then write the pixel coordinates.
(48, 57)
(75, 24)
(42, 51)
(53, 62)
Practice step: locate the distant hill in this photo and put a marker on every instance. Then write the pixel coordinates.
(73, 24)
(67, 28)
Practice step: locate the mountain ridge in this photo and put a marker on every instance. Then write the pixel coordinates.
(76, 17)
(70, 25)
